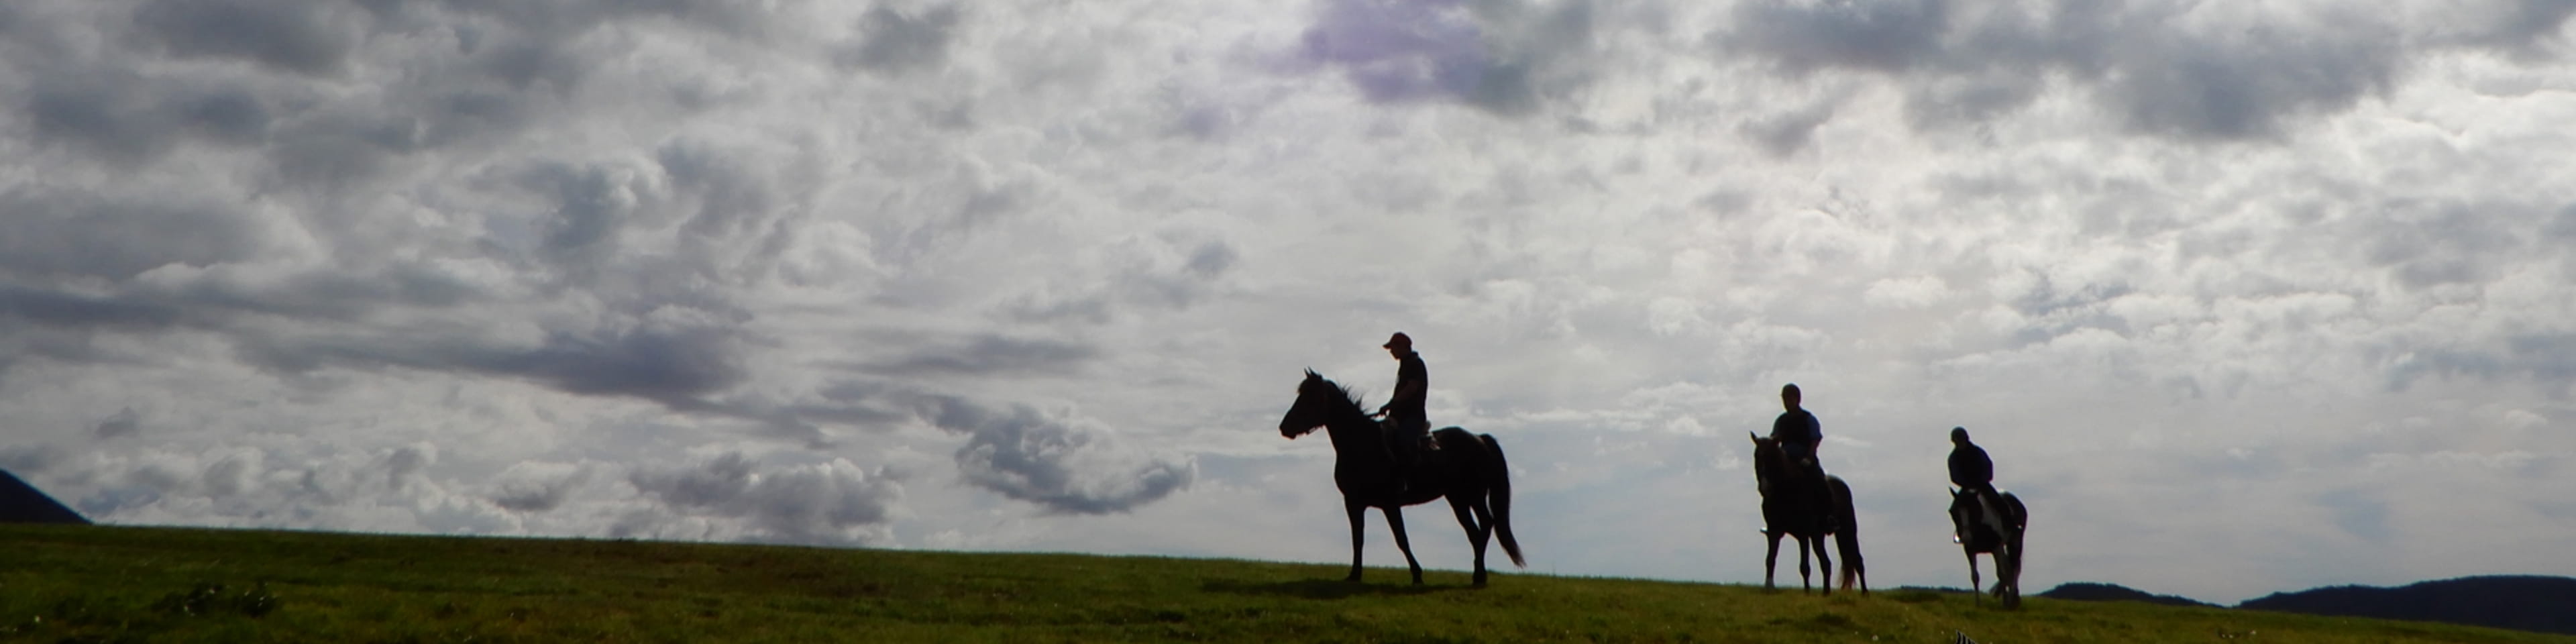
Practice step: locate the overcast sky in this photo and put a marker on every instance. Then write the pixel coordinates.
(2242, 296)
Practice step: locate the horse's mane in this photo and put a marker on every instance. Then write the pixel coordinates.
(1356, 400)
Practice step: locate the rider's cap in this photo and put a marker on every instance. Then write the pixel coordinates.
(1958, 433)
(1398, 341)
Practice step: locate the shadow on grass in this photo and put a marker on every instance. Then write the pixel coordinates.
(1321, 588)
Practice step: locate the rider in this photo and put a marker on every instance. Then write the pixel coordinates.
(1404, 410)
(1798, 432)
(1971, 470)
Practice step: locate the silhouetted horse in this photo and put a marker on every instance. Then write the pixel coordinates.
(1801, 502)
(2001, 538)
(1467, 468)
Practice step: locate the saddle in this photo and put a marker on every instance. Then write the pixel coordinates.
(1988, 517)
(1424, 452)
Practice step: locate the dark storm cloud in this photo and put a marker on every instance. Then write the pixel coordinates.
(802, 504)
(1540, 55)
(1882, 36)
(659, 364)
(2150, 65)
(1399, 51)
(890, 41)
(60, 231)
(987, 355)
(2241, 83)
(2519, 30)
(672, 364)
(539, 496)
(719, 480)
(322, 294)
(59, 309)
(1787, 132)
(1026, 455)
(287, 35)
(1506, 58)
(126, 118)
(124, 423)
(29, 458)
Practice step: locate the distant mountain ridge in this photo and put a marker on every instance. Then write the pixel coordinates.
(2519, 602)
(23, 503)
(2098, 592)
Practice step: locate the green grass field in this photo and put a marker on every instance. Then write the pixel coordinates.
(116, 584)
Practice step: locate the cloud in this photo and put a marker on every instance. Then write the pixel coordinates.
(987, 355)
(29, 458)
(890, 41)
(72, 310)
(539, 487)
(118, 234)
(1061, 463)
(668, 359)
(1398, 51)
(124, 423)
(2195, 73)
(1879, 36)
(829, 502)
(280, 34)
(1505, 58)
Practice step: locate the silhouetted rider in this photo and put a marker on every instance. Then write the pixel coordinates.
(1404, 410)
(1969, 466)
(1971, 470)
(1798, 432)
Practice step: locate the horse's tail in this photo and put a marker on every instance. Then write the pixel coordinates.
(1847, 534)
(1498, 489)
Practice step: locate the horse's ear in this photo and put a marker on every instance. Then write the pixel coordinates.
(1757, 438)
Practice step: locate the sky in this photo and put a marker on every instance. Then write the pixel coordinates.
(2243, 297)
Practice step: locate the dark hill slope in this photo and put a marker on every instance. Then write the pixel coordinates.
(23, 503)
(2098, 592)
(2527, 603)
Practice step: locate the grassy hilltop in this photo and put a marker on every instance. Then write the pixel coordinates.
(108, 584)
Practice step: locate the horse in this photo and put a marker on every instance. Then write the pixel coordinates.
(2002, 538)
(1468, 469)
(1805, 504)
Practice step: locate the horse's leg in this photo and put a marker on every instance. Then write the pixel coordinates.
(1974, 582)
(1477, 532)
(1824, 565)
(2011, 581)
(1359, 519)
(1395, 521)
(1770, 557)
(1803, 586)
(2015, 565)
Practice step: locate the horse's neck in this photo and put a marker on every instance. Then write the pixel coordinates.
(1786, 479)
(1355, 434)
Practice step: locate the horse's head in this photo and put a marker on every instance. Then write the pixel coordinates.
(1310, 410)
(1964, 514)
(1766, 459)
